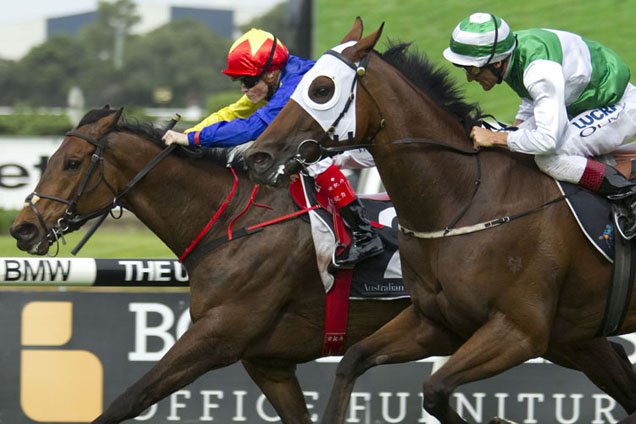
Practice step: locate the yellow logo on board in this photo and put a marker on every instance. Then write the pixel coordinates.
(57, 384)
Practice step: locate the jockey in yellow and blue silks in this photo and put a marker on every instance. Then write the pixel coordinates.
(241, 109)
(269, 75)
(577, 102)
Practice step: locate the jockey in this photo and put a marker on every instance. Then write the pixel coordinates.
(576, 102)
(269, 75)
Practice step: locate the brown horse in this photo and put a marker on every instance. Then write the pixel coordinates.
(250, 302)
(496, 298)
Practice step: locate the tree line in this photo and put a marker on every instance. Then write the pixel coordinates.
(181, 59)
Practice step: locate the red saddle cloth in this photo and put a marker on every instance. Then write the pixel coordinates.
(337, 298)
(379, 278)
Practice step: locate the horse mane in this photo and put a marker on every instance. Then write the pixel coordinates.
(433, 80)
(95, 115)
(218, 155)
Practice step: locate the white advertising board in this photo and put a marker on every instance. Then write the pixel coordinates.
(22, 161)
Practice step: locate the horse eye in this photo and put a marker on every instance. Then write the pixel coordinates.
(321, 90)
(72, 165)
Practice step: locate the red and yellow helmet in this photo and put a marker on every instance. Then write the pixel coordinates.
(253, 52)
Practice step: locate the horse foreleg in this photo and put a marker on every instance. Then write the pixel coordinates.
(497, 346)
(405, 338)
(280, 386)
(195, 353)
(605, 364)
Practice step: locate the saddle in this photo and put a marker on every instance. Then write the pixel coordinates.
(379, 277)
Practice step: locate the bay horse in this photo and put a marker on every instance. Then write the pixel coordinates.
(493, 298)
(250, 302)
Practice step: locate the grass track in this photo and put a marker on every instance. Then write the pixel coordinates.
(110, 241)
(428, 24)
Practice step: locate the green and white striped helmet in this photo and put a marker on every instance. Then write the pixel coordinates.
(479, 40)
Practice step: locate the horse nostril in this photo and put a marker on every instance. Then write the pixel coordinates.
(24, 232)
(260, 161)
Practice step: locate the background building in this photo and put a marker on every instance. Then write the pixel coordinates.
(221, 16)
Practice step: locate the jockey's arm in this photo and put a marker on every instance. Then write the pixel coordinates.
(243, 108)
(354, 159)
(232, 125)
(546, 86)
(240, 109)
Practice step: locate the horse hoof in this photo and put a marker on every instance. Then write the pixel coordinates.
(499, 420)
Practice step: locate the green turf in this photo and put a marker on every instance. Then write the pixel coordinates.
(429, 23)
(108, 242)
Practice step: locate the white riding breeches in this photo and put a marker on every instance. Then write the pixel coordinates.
(350, 159)
(592, 133)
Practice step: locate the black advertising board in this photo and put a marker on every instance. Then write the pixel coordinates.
(65, 355)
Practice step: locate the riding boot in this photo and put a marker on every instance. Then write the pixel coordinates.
(364, 241)
(609, 182)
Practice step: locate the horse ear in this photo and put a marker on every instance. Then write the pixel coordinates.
(107, 106)
(118, 114)
(109, 121)
(366, 45)
(356, 31)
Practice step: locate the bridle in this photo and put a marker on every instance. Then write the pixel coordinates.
(71, 220)
(360, 70)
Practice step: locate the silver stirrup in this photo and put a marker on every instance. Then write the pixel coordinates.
(617, 214)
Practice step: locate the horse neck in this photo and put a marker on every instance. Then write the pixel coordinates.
(433, 178)
(440, 180)
(177, 198)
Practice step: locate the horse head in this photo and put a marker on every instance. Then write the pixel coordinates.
(73, 188)
(324, 111)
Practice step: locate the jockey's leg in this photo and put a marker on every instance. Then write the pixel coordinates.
(598, 178)
(365, 243)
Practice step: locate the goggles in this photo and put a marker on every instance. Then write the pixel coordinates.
(472, 70)
(249, 81)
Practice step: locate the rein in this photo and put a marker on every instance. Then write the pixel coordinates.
(231, 234)
(107, 209)
(449, 230)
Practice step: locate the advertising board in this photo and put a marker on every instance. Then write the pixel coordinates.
(22, 161)
(66, 355)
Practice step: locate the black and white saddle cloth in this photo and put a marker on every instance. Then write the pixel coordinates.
(594, 215)
(379, 277)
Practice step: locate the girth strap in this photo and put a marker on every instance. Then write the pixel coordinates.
(620, 292)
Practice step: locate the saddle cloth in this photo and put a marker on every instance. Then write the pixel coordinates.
(379, 277)
(593, 213)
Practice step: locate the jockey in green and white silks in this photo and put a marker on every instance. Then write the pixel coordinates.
(577, 101)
